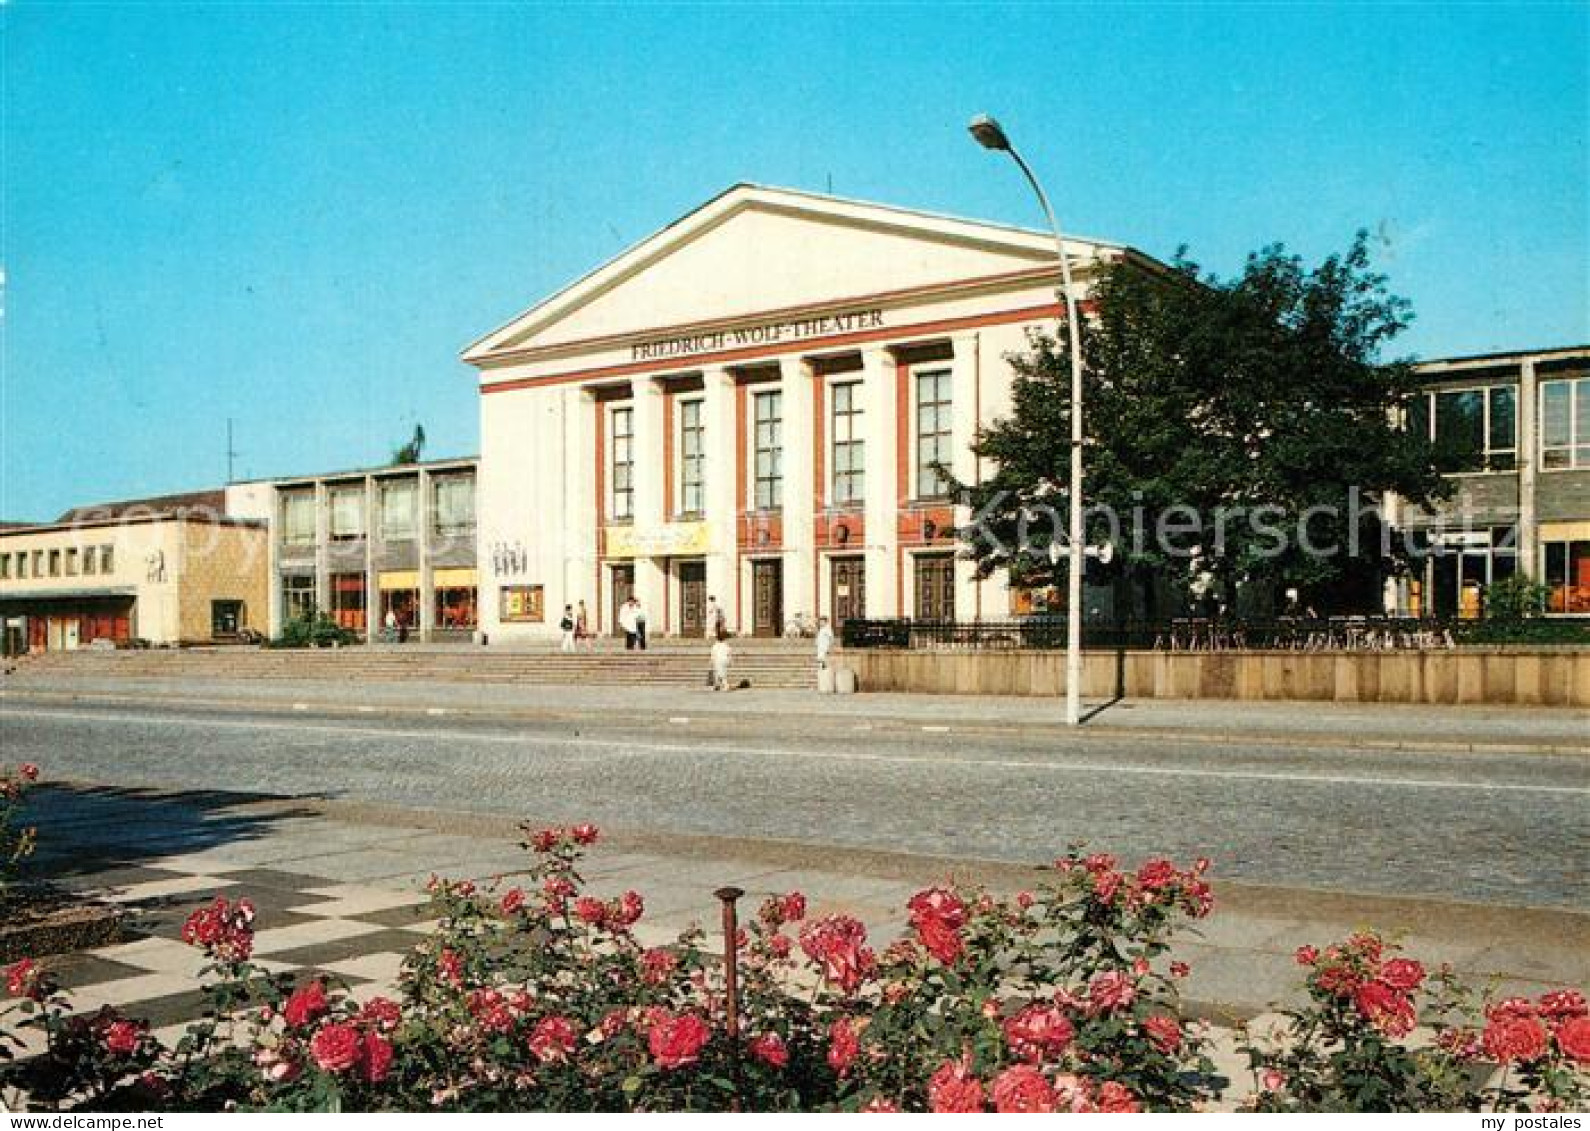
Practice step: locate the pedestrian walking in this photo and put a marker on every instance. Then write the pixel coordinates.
(567, 626)
(825, 642)
(582, 629)
(714, 620)
(627, 625)
(391, 624)
(722, 657)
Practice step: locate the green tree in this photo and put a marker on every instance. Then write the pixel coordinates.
(411, 451)
(1222, 413)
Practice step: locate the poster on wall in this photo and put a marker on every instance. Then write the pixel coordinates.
(522, 603)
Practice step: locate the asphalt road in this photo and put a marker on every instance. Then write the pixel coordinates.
(1496, 828)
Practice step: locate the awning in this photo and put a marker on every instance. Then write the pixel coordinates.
(399, 579)
(455, 578)
(109, 593)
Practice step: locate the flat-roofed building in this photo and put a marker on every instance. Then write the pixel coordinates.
(372, 544)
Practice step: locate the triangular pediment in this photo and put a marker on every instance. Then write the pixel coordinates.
(753, 250)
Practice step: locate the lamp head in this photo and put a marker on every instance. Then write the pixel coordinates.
(988, 133)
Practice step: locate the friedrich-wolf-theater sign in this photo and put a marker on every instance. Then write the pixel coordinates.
(761, 334)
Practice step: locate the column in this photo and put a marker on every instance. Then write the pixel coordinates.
(1527, 409)
(580, 580)
(372, 596)
(424, 523)
(720, 507)
(964, 394)
(800, 502)
(880, 390)
(650, 573)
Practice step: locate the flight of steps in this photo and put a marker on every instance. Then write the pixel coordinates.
(767, 664)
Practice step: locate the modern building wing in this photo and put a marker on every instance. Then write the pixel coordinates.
(753, 404)
(375, 548)
(1520, 425)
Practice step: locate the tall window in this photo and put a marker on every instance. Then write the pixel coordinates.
(769, 447)
(932, 433)
(621, 463)
(455, 505)
(298, 596)
(1567, 576)
(849, 445)
(692, 457)
(1477, 427)
(1565, 423)
(298, 517)
(107, 559)
(397, 509)
(347, 513)
(5, 565)
(55, 563)
(71, 562)
(90, 560)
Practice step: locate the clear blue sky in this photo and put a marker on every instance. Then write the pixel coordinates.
(296, 216)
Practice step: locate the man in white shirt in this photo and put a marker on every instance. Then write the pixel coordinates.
(626, 622)
(825, 642)
(722, 656)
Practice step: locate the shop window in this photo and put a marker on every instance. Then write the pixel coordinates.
(1476, 428)
(226, 618)
(298, 597)
(522, 604)
(768, 447)
(347, 513)
(397, 510)
(1565, 423)
(348, 600)
(1567, 577)
(933, 425)
(455, 606)
(692, 457)
(621, 464)
(848, 451)
(107, 559)
(455, 505)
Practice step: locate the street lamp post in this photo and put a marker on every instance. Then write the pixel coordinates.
(990, 135)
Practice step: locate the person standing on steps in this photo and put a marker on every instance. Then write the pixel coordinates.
(567, 627)
(640, 624)
(714, 619)
(582, 629)
(390, 624)
(626, 623)
(825, 642)
(722, 657)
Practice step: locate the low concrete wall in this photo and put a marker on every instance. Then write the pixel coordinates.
(1540, 676)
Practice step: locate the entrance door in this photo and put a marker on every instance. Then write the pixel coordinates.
(623, 577)
(692, 598)
(848, 589)
(767, 598)
(70, 634)
(935, 587)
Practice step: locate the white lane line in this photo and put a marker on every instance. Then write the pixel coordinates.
(629, 746)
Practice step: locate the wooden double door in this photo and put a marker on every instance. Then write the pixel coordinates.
(935, 586)
(767, 598)
(847, 583)
(692, 598)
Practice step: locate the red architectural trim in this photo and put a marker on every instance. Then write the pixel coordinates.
(687, 364)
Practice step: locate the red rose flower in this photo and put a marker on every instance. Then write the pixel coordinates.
(770, 1049)
(879, 1105)
(937, 903)
(837, 943)
(591, 911)
(512, 900)
(1339, 981)
(584, 834)
(1111, 989)
(1402, 974)
(382, 1013)
(793, 907)
(1156, 875)
(29, 771)
(376, 1062)
(1573, 1038)
(337, 1047)
(553, 1040)
(843, 1045)
(1038, 1032)
(1116, 1099)
(656, 964)
(1564, 1003)
(122, 1037)
(1509, 1038)
(1385, 1007)
(1164, 1031)
(1023, 1089)
(305, 1005)
(450, 967)
(24, 978)
(1307, 955)
(940, 940)
(953, 1089)
(677, 1041)
(1179, 969)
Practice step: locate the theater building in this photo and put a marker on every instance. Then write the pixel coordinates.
(752, 404)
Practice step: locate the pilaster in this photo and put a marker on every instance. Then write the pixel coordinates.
(800, 502)
(881, 390)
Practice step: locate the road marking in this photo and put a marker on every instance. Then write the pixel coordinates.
(436, 710)
(366, 710)
(679, 720)
(1055, 767)
(937, 730)
(300, 706)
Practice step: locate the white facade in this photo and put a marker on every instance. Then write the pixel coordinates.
(747, 405)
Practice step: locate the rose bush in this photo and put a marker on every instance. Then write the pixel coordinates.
(539, 995)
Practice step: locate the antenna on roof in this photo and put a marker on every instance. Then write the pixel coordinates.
(231, 453)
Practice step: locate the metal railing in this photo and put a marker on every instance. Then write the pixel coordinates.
(1041, 633)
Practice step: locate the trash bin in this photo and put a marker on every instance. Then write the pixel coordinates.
(825, 680)
(845, 681)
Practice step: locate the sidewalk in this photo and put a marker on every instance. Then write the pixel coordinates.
(1395, 726)
(338, 887)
